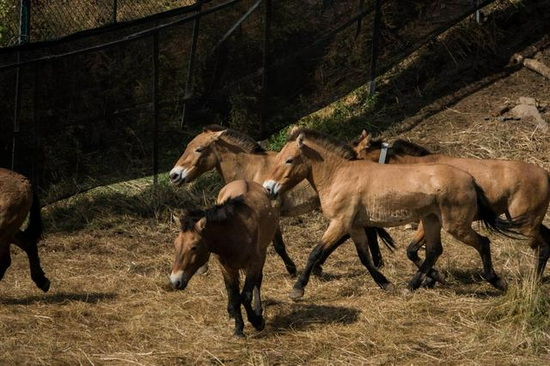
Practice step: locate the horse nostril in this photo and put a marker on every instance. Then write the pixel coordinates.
(268, 189)
(174, 177)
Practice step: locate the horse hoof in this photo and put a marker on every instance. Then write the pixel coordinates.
(296, 293)
(390, 288)
(317, 271)
(261, 325)
(239, 335)
(500, 284)
(45, 285)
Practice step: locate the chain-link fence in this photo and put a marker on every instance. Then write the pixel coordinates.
(50, 20)
(107, 104)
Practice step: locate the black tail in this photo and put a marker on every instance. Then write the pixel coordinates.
(491, 220)
(386, 238)
(33, 231)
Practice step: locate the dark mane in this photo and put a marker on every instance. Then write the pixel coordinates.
(244, 141)
(331, 143)
(225, 210)
(218, 213)
(189, 218)
(402, 147)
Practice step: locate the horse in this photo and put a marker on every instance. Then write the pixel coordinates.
(356, 193)
(235, 155)
(237, 230)
(513, 188)
(17, 201)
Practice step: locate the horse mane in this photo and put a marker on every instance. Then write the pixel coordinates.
(403, 147)
(399, 147)
(334, 145)
(240, 139)
(189, 218)
(218, 213)
(225, 210)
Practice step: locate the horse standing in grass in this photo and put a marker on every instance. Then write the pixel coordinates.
(237, 230)
(513, 188)
(357, 193)
(17, 200)
(237, 156)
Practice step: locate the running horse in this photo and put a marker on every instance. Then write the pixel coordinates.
(357, 193)
(237, 230)
(513, 188)
(17, 201)
(235, 155)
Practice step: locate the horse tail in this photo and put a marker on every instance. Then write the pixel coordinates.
(33, 231)
(386, 238)
(492, 221)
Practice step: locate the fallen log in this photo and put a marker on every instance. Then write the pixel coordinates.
(532, 64)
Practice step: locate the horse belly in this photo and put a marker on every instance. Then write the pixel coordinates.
(395, 209)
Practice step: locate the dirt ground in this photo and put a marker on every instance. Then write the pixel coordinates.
(110, 303)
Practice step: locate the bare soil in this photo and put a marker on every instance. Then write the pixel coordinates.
(110, 303)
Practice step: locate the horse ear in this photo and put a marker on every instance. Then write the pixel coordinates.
(300, 140)
(218, 134)
(200, 225)
(176, 219)
(364, 135)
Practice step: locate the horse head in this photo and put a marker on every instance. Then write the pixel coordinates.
(199, 157)
(191, 250)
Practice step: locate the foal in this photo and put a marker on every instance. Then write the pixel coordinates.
(17, 200)
(357, 193)
(237, 230)
(513, 188)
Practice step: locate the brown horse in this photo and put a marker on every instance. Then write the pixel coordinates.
(237, 230)
(17, 200)
(513, 188)
(237, 156)
(357, 193)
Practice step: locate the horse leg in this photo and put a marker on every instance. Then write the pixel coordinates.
(280, 248)
(251, 287)
(482, 244)
(360, 239)
(372, 240)
(318, 268)
(5, 258)
(31, 248)
(543, 249)
(231, 280)
(328, 243)
(412, 253)
(432, 233)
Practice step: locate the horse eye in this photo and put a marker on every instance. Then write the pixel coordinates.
(289, 161)
(194, 247)
(199, 149)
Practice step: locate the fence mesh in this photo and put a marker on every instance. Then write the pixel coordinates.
(79, 112)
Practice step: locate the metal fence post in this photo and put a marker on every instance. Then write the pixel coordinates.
(155, 110)
(265, 63)
(115, 10)
(374, 49)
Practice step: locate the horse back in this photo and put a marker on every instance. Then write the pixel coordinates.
(15, 202)
(258, 216)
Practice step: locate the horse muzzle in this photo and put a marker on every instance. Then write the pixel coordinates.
(178, 281)
(178, 176)
(273, 188)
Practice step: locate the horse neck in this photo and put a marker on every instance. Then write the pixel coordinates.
(323, 171)
(234, 164)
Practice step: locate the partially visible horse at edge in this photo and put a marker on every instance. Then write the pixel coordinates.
(513, 188)
(237, 230)
(236, 155)
(17, 201)
(357, 193)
